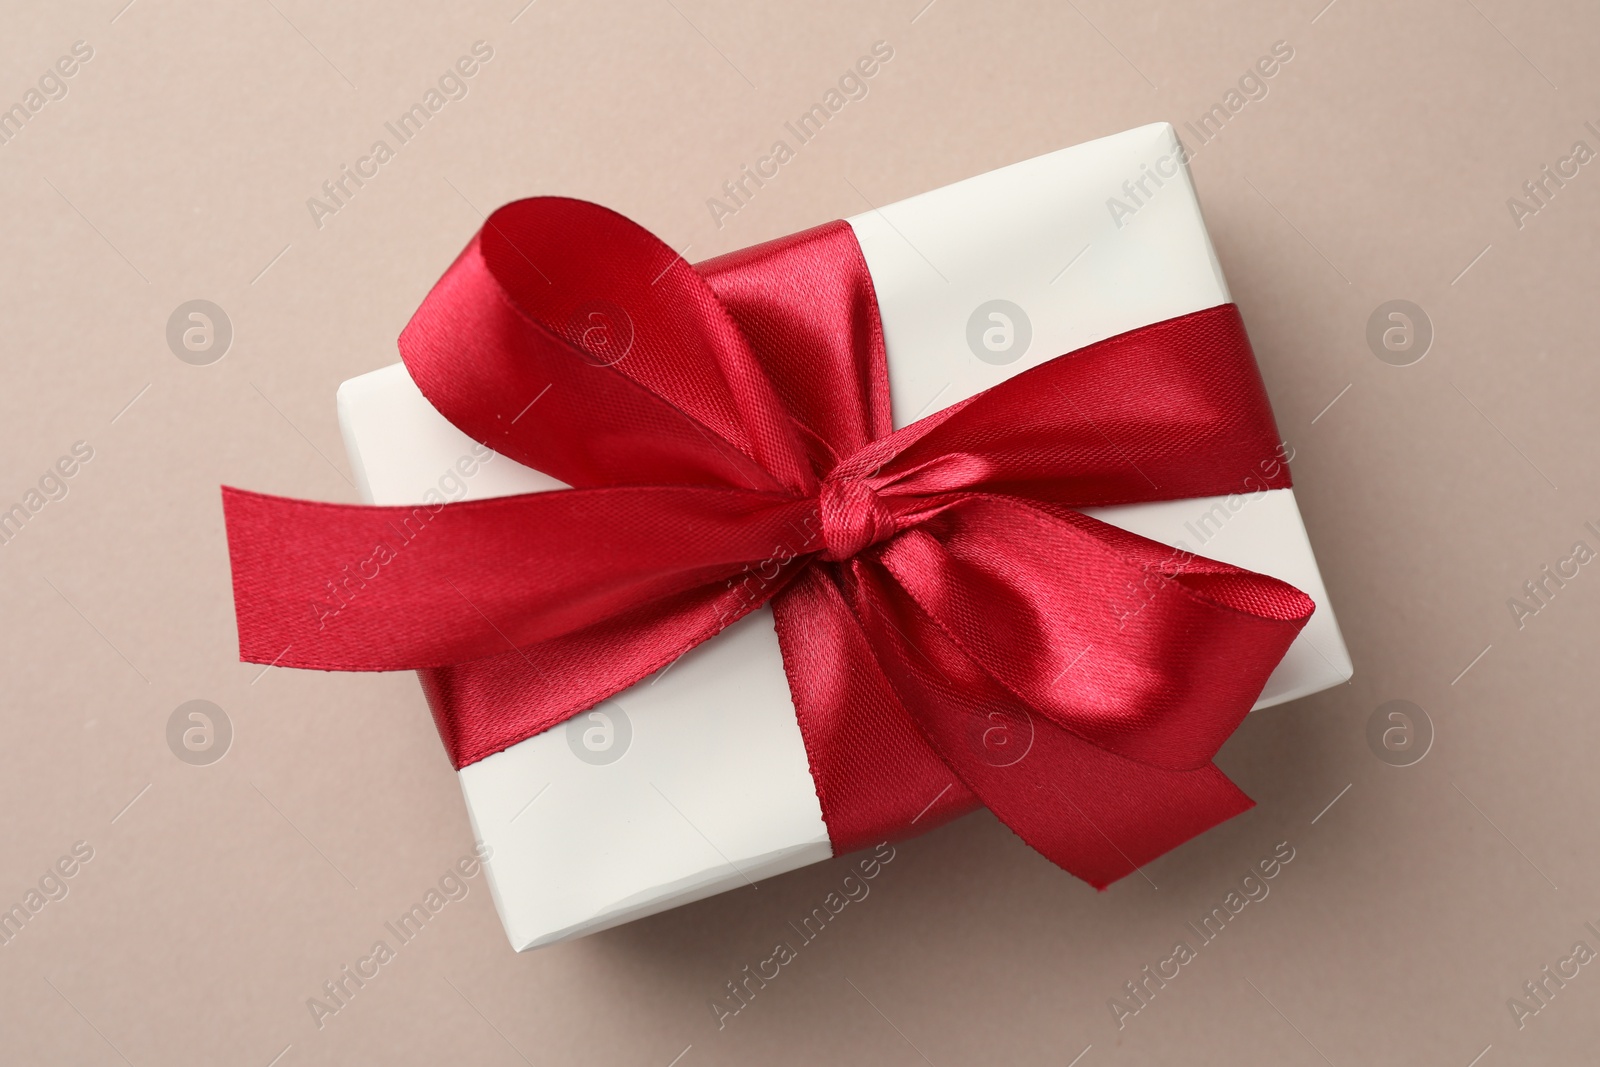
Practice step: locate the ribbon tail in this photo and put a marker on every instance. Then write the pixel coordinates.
(351, 587)
(875, 776)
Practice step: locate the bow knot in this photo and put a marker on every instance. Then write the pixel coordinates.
(853, 518)
(693, 452)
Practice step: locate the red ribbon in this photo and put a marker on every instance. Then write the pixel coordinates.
(953, 631)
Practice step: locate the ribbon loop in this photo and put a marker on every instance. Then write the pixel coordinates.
(576, 342)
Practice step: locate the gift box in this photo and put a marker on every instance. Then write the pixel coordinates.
(696, 779)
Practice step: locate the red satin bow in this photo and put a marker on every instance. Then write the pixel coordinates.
(953, 631)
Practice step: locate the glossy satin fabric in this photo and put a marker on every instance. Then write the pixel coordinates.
(954, 632)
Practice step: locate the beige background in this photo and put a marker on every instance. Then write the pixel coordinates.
(221, 897)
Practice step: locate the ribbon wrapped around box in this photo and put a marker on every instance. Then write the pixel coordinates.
(975, 500)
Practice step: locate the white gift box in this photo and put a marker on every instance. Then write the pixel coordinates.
(695, 780)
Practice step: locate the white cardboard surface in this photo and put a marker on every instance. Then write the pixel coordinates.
(711, 790)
